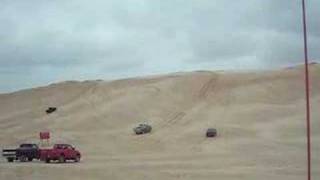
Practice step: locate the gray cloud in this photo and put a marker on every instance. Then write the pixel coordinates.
(44, 41)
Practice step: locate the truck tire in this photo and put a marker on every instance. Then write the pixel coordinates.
(30, 159)
(77, 159)
(62, 159)
(10, 159)
(47, 160)
(23, 158)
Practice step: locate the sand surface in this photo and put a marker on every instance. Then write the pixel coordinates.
(260, 117)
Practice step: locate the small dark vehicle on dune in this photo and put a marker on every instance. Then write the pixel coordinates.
(142, 129)
(25, 152)
(51, 110)
(211, 132)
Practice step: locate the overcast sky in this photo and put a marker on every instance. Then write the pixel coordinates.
(44, 41)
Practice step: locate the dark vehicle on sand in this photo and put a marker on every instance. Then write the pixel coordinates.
(211, 132)
(142, 129)
(25, 152)
(51, 110)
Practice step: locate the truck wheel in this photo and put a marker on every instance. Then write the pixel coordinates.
(30, 159)
(10, 159)
(77, 159)
(62, 159)
(23, 159)
(47, 160)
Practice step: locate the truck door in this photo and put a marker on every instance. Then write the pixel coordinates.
(70, 152)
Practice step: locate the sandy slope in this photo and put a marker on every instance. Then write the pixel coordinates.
(260, 118)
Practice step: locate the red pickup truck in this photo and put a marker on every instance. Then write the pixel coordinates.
(61, 153)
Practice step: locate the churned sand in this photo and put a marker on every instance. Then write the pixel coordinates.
(260, 118)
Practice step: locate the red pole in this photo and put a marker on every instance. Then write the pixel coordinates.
(307, 88)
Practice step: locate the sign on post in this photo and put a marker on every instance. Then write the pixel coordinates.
(44, 136)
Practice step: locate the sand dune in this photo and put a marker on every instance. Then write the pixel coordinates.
(260, 117)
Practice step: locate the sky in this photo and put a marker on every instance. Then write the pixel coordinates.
(46, 41)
